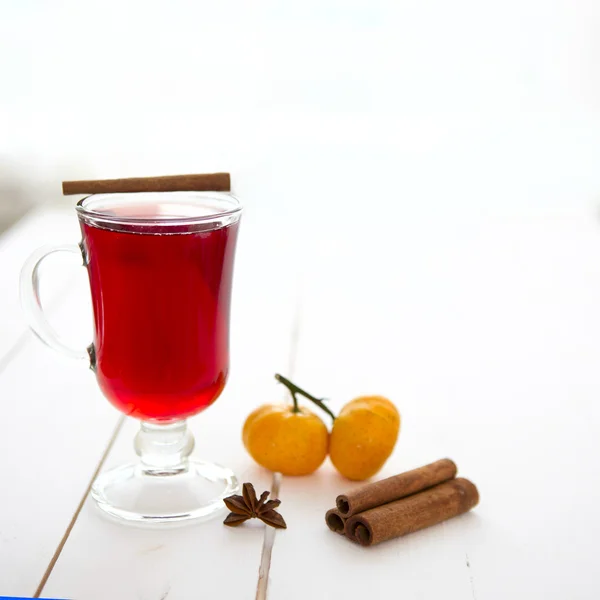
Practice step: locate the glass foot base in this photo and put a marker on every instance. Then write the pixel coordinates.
(137, 496)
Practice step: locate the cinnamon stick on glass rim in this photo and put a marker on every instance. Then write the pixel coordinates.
(204, 182)
(434, 505)
(396, 487)
(335, 521)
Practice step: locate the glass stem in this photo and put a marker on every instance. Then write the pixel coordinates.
(164, 448)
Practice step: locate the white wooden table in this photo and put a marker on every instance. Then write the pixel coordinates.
(486, 334)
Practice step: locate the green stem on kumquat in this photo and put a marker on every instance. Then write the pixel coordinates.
(294, 389)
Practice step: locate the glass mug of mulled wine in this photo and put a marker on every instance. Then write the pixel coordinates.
(160, 268)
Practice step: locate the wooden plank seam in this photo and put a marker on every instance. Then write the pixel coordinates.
(262, 585)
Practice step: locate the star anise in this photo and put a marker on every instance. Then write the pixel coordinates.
(247, 506)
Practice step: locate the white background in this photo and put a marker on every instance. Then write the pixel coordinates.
(429, 107)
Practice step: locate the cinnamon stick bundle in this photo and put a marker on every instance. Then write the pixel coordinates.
(444, 501)
(396, 487)
(206, 182)
(402, 504)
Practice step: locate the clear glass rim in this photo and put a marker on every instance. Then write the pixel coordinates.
(232, 207)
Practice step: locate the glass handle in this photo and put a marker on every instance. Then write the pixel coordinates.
(30, 301)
